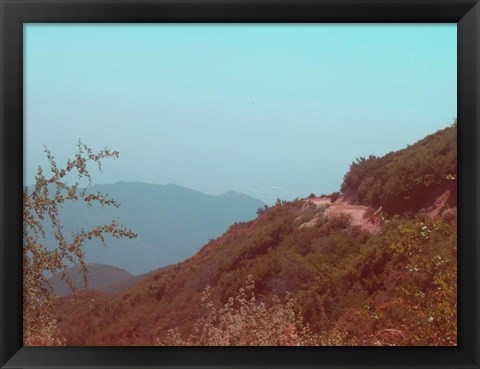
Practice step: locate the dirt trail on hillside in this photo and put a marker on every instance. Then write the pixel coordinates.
(356, 212)
(320, 200)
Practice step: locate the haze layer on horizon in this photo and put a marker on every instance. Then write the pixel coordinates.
(273, 111)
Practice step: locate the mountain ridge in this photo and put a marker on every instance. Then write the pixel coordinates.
(172, 222)
(99, 277)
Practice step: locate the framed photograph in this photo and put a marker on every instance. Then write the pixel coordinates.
(256, 184)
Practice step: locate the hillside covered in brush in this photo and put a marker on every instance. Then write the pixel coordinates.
(306, 272)
(408, 179)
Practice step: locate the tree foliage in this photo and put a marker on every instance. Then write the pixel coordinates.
(42, 205)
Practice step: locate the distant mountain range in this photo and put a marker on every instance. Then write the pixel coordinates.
(172, 223)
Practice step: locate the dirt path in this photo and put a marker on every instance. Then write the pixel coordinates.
(356, 212)
(320, 200)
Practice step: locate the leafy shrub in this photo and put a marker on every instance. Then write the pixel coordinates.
(242, 321)
(369, 214)
(262, 210)
(334, 196)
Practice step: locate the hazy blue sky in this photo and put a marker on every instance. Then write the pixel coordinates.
(274, 111)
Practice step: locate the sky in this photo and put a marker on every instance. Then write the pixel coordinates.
(273, 111)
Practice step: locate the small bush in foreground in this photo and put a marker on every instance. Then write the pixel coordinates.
(244, 322)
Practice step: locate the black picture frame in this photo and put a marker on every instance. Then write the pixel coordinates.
(14, 13)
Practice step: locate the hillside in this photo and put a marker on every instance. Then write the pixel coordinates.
(350, 274)
(408, 179)
(100, 277)
(172, 223)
